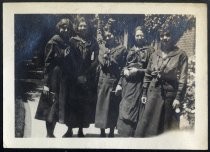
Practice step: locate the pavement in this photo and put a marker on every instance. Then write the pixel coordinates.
(38, 128)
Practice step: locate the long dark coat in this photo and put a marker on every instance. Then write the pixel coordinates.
(131, 90)
(81, 98)
(48, 108)
(107, 102)
(158, 115)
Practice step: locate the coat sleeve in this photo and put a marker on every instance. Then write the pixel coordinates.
(125, 55)
(94, 63)
(182, 82)
(150, 51)
(52, 58)
(148, 76)
(48, 61)
(101, 59)
(96, 52)
(120, 62)
(120, 81)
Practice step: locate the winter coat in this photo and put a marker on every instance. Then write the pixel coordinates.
(132, 89)
(111, 62)
(48, 107)
(82, 96)
(161, 89)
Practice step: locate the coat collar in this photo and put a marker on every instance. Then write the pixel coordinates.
(82, 40)
(56, 39)
(135, 48)
(119, 46)
(172, 53)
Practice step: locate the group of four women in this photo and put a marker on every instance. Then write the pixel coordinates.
(86, 82)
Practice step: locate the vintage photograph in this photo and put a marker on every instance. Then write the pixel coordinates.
(104, 75)
(129, 73)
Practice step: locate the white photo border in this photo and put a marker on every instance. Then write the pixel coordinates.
(182, 140)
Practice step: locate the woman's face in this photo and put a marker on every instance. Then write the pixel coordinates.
(64, 30)
(109, 38)
(165, 39)
(82, 28)
(139, 37)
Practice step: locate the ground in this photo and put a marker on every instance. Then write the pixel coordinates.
(38, 126)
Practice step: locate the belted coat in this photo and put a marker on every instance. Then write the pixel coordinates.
(158, 115)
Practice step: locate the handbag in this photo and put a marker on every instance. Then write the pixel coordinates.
(45, 105)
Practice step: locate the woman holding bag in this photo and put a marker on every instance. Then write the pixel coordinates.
(55, 52)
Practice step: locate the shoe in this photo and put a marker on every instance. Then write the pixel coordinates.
(103, 135)
(68, 134)
(50, 136)
(80, 134)
(111, 135)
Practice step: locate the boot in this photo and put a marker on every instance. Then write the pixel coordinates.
(111, 132)
(103, 134)
(69, 133)
(50, 129)
(80, 133)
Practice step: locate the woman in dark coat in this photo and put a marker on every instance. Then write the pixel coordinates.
(82, 86)
(111, 57)
(164, 87)
(55, 52)
(131, 84)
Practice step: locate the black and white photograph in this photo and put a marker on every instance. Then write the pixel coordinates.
(105, 75)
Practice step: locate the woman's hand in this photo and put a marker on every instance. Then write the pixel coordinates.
(156, 74)
(46, 90)
(106, 56)
(126, 72)
(143, 100)
(118, 90)
(133, 70)
(67, 51)
(176, 104)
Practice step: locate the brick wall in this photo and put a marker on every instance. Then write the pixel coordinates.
(187, 42)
